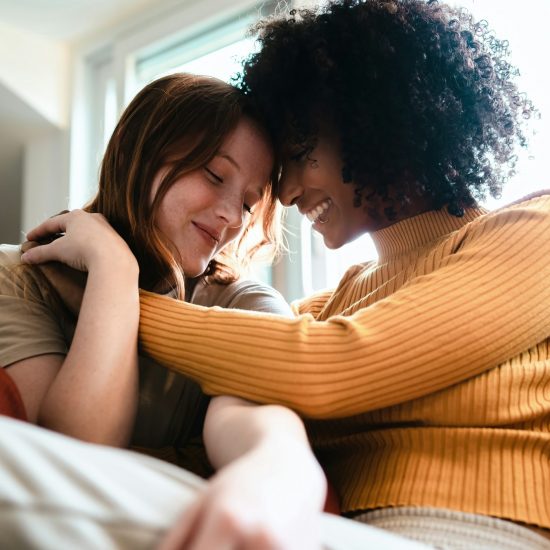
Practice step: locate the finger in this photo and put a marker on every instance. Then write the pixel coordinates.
(183, 530)
(51, 226)
(27, 245)
(40, 254)
(59, 213)
(219, 531)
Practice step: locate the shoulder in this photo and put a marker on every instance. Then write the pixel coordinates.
(10, 255)
(242, 294)
(314, 303)
(524, 223)
(532, 208)
(527, 214)
(540, 199)
(14, 277)
(357, 269)
(22, 281)
(537, 204)
(30, 319)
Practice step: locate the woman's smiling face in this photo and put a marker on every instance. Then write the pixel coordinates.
(312, 180)
(206, 209)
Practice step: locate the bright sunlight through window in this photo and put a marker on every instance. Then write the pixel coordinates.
(524, 25)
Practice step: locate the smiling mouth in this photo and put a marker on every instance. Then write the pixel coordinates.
(319, 213)
(206, 233)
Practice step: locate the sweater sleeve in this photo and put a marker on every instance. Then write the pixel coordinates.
(486, 302)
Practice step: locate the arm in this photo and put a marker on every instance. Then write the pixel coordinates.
(486, 301)
(269, 490)
(269, 487)
(92, 392)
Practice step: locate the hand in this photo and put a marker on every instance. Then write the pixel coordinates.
(270, 499)
(81, 240)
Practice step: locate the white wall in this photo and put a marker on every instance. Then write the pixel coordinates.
(37, 70)
(37, 78)
(45, 189)
(10, 194)
(34, 107)
(111, 51)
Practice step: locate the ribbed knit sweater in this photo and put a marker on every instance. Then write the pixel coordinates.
(425, 375)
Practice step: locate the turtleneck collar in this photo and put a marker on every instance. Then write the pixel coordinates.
(419, 230)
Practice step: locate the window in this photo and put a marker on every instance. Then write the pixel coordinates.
(203, 37)
(199, 37)
(215, 53)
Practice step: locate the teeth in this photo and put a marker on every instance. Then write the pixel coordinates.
(314, 213)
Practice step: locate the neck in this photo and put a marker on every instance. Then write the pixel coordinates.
(396, 206)
(403, 200)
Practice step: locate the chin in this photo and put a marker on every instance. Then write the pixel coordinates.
(333, 244)
(193, 271)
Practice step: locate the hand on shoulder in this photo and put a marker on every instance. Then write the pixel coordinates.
(79, 239)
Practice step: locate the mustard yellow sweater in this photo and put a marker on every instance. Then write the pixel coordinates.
(425, 376)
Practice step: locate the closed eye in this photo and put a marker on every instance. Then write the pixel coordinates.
(213, 175)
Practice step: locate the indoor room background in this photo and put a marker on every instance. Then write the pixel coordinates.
(69, 67)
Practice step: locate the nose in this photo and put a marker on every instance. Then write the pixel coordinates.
(230, 209)
(290, 186)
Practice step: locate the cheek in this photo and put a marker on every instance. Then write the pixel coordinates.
(165, 217)
(231, 235)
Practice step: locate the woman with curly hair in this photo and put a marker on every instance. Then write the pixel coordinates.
(424, 376)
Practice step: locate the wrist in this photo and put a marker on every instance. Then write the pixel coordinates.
(295, 454)
(288, 448)
(113, 252)
(116, 279)
(122, 266)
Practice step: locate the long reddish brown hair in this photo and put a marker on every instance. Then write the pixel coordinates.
(184, 118)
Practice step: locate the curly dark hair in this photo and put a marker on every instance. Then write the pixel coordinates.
(416, 90)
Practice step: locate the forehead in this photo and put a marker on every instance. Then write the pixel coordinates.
(249, 152)
(247, 136)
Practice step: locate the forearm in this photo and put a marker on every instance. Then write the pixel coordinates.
(94, 396)
(234, 427)
(481, 303)
(269, 489)
(267, 441)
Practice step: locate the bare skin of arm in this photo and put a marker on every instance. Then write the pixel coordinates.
(269, 490)
(92, 392)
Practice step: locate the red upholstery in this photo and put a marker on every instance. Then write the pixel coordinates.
(11, 403)
(332, 502)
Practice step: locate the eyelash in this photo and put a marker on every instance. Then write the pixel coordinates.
(213, 175)
(218, 179)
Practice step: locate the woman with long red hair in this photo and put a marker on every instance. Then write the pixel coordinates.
(184, 200)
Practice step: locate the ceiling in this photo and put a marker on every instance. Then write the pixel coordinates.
(68, 20)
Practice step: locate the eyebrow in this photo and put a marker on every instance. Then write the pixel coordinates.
(230, 159)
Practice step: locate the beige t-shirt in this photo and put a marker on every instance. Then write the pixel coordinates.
(171, 407)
